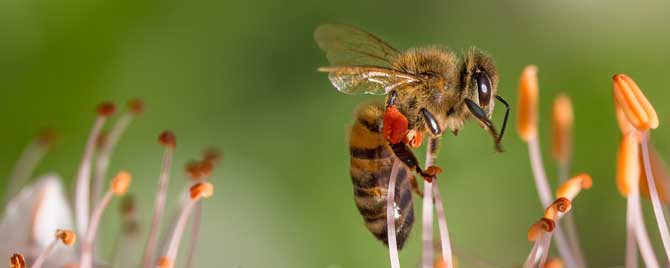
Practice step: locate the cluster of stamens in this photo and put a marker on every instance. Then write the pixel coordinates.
(89, 185)
(541, 232)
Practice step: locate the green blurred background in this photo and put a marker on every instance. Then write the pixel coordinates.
(241, 76)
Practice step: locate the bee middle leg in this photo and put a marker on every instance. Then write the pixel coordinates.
(414, 186)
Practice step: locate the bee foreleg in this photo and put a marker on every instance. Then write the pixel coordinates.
(403, 152)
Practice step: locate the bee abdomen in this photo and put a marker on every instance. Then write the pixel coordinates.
(371, 164)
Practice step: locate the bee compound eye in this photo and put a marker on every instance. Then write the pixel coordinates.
(483, 88)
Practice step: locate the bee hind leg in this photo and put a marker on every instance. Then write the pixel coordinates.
(414, 186)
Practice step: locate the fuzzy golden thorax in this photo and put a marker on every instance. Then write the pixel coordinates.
(446, 82)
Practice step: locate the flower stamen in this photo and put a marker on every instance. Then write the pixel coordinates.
(169, 141)
(83, 181)
(197, 192)
(118, 187)
(67, 237)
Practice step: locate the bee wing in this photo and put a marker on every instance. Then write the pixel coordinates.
(348, 45)
(367, 79)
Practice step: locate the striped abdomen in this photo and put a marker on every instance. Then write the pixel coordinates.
(371, 163)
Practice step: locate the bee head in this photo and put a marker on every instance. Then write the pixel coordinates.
(480, 79)
(480, 86)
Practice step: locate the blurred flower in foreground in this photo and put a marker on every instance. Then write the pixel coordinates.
(567, 242)
(39, 217)
(636, 118)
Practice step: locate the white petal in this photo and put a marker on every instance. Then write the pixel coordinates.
(33, 216)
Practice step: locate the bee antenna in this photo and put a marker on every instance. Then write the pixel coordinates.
(504, 124)
(479, 113)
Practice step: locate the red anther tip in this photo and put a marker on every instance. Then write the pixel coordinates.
(167, 138)
(136, 106)
(395, 125)
(106, 109)
(211, 155)
(199, 170)
(47, 136)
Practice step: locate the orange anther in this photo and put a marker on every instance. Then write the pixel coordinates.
(554, 263)
(395, 125)
(441, 263)
(121, 183)
(560, 205)
(570, 188)
(561, 128)
(68, 237)
(17, 261)
(201, 189)
(541, 226)
(165, 262)
(414, 138)
(628, 165)
(633, 103)
(624, 124)
(527, 105)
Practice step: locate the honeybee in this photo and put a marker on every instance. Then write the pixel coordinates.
(428, 90)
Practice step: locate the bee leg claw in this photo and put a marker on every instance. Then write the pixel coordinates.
(430, 173)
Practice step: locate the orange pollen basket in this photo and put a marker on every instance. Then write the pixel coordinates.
(395, 125)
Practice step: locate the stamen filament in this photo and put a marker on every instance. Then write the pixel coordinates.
(544, 192)
(390, 215)
(643, 242)
(45, 254)
(83, 182)
(532, 256)
(30, 157)
(444, 230)
(427, 218)
(103, 157)
(197, 192)
(195, 234)
(631, 253)
(546, 243)
(67, 237)
(87, 243)
(655, 200)
(118, 187)
(167, 138)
